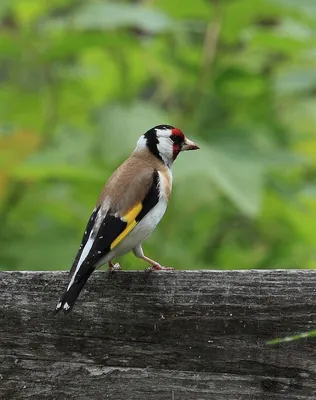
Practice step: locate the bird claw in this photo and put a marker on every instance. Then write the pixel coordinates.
(158, 267)
(114, 267)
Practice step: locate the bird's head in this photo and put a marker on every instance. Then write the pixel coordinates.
(165, 142)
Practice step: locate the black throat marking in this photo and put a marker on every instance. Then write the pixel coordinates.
(152, 140)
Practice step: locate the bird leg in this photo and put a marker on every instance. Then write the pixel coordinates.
(155, 266)
(114, 267)
(138, 251)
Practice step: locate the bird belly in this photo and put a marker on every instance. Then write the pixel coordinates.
(141, 231)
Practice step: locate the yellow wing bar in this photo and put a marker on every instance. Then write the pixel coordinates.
(130, 218)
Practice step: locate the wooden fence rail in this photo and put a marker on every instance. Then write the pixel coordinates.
(185, 335)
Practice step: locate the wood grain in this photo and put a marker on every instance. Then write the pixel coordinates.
(185, 335)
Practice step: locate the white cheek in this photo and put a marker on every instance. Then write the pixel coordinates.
(165, 149)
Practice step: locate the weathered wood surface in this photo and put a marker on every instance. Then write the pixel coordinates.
(180, 336)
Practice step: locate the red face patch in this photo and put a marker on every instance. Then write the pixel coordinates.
(178, 138)
(176, 150)
(177, 132)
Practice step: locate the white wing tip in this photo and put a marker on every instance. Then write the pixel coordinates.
(64, 306)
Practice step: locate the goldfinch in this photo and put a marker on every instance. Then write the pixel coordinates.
(130, 206)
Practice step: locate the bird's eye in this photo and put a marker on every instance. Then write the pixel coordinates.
(176, 139)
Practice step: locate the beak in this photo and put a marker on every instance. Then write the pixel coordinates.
(189, 145)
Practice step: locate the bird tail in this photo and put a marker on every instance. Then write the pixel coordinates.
(69, 298)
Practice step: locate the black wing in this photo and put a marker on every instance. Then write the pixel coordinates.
(84, 239)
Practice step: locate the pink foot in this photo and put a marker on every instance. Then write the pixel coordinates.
(114, 267)
(158, 267)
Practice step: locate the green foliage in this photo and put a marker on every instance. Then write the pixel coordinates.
(293, 338)
(80, 81)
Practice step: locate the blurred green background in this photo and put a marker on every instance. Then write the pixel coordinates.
(80, 81)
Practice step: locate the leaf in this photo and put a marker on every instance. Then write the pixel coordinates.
(121, 126)
(307, 7)
(106, 16)
(239, 178)
(295, 81)
(300, 117)
(198, 9)
(17, 146)
(291, 28)
(54, 250)
(14, 149)
(299, 336)
(43, 171)
(9, 45)
(5, 6)
(61, 159)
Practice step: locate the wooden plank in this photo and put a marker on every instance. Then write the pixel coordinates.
(185, 335)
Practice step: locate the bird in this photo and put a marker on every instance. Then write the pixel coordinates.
(130, 206)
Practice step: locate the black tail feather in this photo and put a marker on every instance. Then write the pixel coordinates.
(69, 298)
